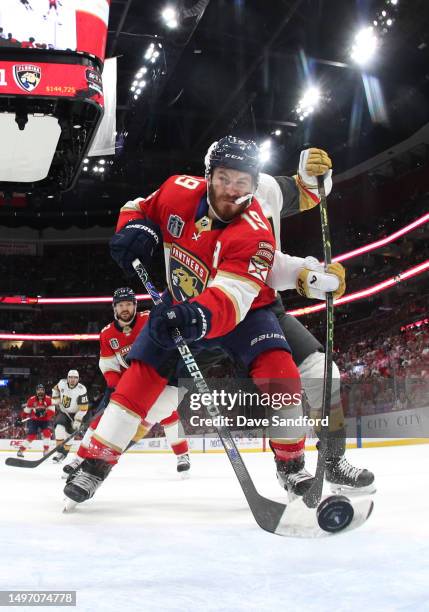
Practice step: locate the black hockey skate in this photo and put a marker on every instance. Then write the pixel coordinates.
(20, 453)
(60, 455)
(293, 477)
(83, 484)
(183, 464)
(345, 478)
(341, 475)
(72, 467)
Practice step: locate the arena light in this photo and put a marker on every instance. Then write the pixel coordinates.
(170, 17)
(101, 166)
(415, 324)
(365, 46)
(383, 241)
(149, 51)
(265, 151)
(365, 293)
(87, 300)
(148, 72)
(308, 103)
(50, 337)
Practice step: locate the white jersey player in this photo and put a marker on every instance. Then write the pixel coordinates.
(71, 401)
(281, 197)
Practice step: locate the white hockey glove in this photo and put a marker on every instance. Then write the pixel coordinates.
(313, 282)
(77, 421)
(313, 163)
(287, 272)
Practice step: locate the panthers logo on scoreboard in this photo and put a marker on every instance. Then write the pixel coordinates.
(27, 76)
(188, 275)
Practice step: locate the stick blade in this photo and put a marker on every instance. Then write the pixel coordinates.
(299, 521)
(25, 463)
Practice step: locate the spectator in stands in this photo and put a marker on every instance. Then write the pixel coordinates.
(12, 41)
(28, 44)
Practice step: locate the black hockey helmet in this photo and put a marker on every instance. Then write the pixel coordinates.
(232, 152)
(124, 294)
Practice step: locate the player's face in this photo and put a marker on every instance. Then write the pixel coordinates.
(225, 186)
(72, 381)
(40, 393)
(125, 311)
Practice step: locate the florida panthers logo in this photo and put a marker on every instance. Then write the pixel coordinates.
(188, 275)
(27, 76)
(186, 283)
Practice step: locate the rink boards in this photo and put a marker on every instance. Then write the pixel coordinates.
(384, 429)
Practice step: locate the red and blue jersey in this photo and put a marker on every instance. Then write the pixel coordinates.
(221, 266)
(34, 403)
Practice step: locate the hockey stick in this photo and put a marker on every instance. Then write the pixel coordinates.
(7, 426)
(292, 520)
(313, 495)
(29, 463)
(267, 513)
(32, 463)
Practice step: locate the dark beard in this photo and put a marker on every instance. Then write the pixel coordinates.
(212, 202)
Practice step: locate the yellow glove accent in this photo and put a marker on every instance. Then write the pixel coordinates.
(318, 162)
(305, 286)
(305, 200)
(340, 272)
(301, 282)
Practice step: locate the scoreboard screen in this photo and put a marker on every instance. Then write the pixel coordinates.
(76, 25)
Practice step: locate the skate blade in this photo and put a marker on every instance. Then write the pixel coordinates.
(69, 505)
(184, 475)
(352, 491)
(299, 521)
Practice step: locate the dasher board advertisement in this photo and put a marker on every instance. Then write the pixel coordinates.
(75, 25)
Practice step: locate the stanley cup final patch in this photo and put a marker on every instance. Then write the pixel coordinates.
(175, 225)
(27, 76)
(258, 268)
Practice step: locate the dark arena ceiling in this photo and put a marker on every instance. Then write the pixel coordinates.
(240, 66)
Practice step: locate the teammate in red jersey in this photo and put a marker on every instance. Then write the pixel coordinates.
(219, 249)
(116, 340)
(41, 411)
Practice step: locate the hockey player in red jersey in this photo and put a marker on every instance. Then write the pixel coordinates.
(219, 250)
(40, 410)
(116, 340)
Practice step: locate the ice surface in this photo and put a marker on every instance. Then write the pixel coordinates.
(151, 541)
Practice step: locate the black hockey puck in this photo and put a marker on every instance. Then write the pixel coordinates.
(335, 513)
